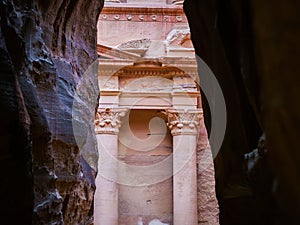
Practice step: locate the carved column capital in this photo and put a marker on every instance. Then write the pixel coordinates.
(184, 121)
(108, 120)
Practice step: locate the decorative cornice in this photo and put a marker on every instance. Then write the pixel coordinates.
(134, 13)
(140, 71)
(138, 9)
(166, 68)
(108, 120)
(184, 121)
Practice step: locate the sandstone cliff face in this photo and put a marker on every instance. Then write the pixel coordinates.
(251, 46)
(45, 47)
(208, 207)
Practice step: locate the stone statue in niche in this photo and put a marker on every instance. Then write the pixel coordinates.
(179, 37)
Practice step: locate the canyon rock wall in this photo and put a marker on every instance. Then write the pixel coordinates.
(251, 46)
(45, 47)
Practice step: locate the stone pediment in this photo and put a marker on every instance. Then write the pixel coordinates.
(133, 49)
(115, 53)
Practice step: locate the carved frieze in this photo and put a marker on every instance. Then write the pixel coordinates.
(108, 82)
(146, 84)
(108, 120)
(119, 12)
(142, 44)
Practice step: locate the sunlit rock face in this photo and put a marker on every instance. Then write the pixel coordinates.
(45, 47)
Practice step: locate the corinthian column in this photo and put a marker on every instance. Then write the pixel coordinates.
(183, 125)
(107, 126)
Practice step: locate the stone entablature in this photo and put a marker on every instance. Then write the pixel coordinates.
(172, 67)
(150, 13)
(146, 84)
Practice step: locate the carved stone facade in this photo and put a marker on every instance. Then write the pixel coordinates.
(166, 29)
(147, 66)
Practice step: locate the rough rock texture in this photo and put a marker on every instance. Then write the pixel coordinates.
(208, 208)
(45, 47)
(15, 154)
(252, 48)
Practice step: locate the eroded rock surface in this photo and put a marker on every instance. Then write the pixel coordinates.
(45, 47)
(252, 49)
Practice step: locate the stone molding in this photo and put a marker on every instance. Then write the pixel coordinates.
(139, 9)
(114, 53)
(186, 64)
(152, 13)
(150, 70)
(108, 120)
(184, 121)
(144, 18)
